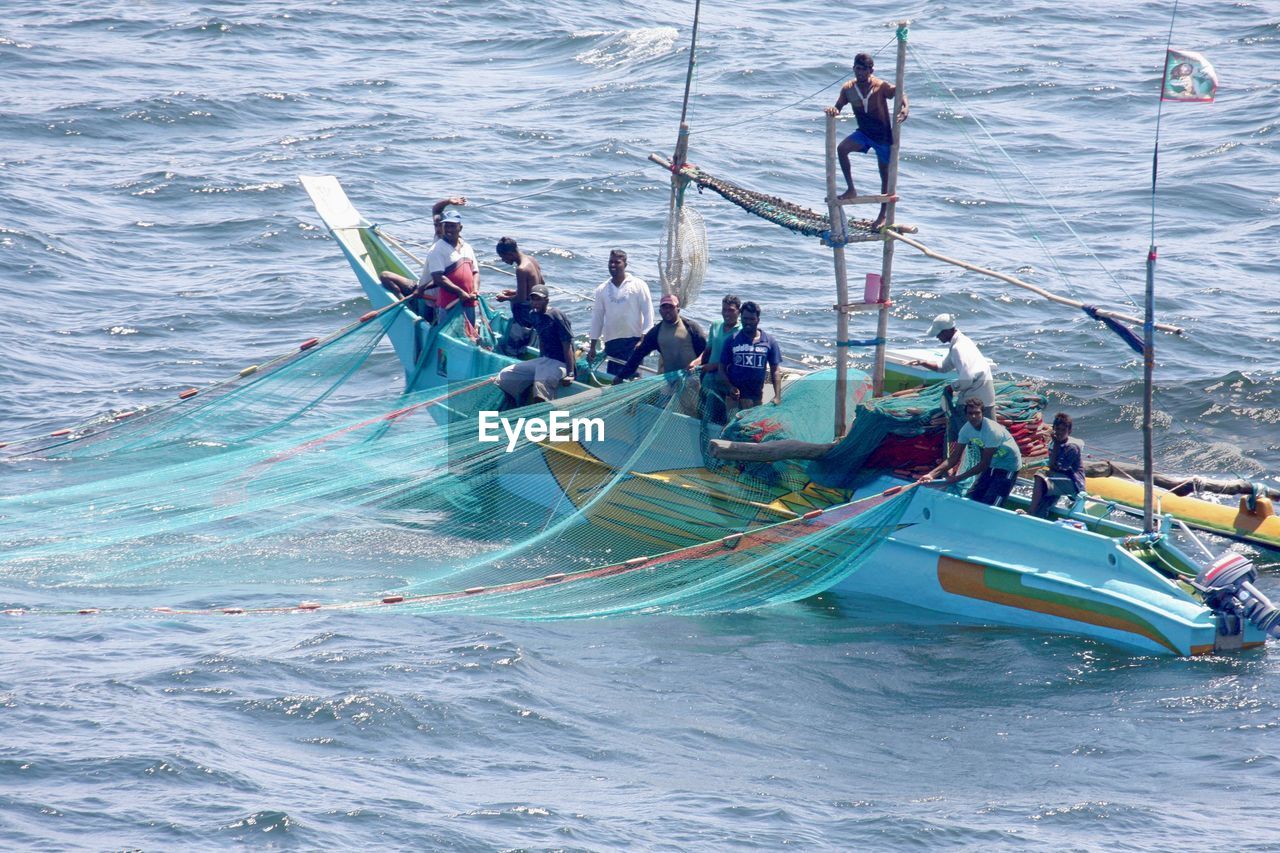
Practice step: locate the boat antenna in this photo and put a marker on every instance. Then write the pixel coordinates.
(688, 77)
(1185, 77)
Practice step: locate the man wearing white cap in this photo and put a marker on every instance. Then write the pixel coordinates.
(973, 374)
(452, 269)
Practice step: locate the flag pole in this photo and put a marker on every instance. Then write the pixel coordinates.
(1149, 343)
(1149, 317)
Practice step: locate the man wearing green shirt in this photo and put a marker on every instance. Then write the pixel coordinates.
(713, 384)
(998, 463)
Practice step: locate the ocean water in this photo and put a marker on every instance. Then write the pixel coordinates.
(153, 236)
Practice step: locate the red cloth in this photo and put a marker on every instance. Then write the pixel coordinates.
(905, 451)
(463, 276)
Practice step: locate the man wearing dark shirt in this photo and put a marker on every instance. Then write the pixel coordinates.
(1065, 477)
(749, 358)
(555, 367)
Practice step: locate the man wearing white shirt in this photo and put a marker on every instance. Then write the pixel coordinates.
(973, 373)
(451, 269)
(622, 313)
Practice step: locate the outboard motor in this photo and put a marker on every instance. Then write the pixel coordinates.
(1228, 590)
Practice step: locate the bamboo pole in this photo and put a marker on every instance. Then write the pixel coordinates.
(1017, 282)
(768, 451)
(891, 208)
(838, 233)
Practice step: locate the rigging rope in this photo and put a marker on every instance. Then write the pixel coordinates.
(1009, 196)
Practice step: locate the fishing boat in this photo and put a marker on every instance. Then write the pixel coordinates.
(1083, 571)
(664, 509)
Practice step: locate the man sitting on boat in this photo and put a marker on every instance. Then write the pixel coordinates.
(750, 357)
(528, 273)
(397, 283)
(452, 270)
(621, 314)
(973, 373)
(868, 97)
(1065, 475)
(555, 366)
(998, 464)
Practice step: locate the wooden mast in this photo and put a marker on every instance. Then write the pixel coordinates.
(678, 159)
(839, 233)
(886, 264)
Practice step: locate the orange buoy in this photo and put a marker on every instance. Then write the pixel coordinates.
(393, 599)
(88, 611)
(59, 432)
(309, 605)
(162, 609)
(190, 392)
(813, 513)
(369, 316)
(309, 343)
(559, 576)
(473, 590)
(636, 561)
(233, 611)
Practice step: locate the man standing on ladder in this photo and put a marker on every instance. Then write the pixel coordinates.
(869, 96)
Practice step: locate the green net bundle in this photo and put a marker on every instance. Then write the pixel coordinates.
(907, 432)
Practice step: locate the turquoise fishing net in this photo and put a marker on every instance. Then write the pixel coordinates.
(297, 482)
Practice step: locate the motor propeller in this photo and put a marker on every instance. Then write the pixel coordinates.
(1227, 586)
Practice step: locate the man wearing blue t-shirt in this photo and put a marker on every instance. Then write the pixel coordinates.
(749, 358)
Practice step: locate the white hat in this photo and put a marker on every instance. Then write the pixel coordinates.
(942, 321)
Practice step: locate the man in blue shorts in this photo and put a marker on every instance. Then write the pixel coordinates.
(869, 97)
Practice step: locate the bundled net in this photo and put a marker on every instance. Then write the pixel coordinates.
(807, 414)
(789, 215)
(682, 254)
(907, 432)
(254, 493)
